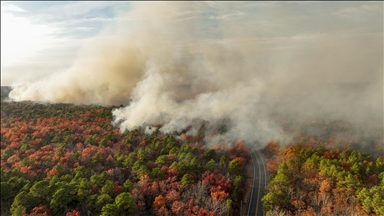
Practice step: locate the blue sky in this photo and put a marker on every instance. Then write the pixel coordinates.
(40, 38)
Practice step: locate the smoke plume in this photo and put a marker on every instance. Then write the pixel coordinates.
(177, 63)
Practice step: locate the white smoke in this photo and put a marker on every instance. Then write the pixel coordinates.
(176, 63)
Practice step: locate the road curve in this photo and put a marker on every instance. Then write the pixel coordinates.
(259, 184)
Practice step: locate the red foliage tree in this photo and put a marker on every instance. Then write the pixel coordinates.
(159, 202)
(73, 213)
(41, 210)
(53, 171)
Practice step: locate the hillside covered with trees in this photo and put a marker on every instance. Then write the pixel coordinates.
(63, 159)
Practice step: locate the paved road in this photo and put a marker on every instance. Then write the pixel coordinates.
(259, 184)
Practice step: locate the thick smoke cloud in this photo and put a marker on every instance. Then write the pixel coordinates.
(177, 63)
(104, 73)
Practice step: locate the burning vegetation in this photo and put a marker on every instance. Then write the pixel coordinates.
(68, 159)
(200, 84)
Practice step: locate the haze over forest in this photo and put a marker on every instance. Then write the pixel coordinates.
(182, 63)
(192, 108)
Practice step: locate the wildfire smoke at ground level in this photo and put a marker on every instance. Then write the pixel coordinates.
(177, 62)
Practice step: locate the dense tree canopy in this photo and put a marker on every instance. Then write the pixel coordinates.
(62, 159)
(313, 178)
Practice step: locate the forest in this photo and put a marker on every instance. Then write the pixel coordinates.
(64, 159)
(312, 176)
